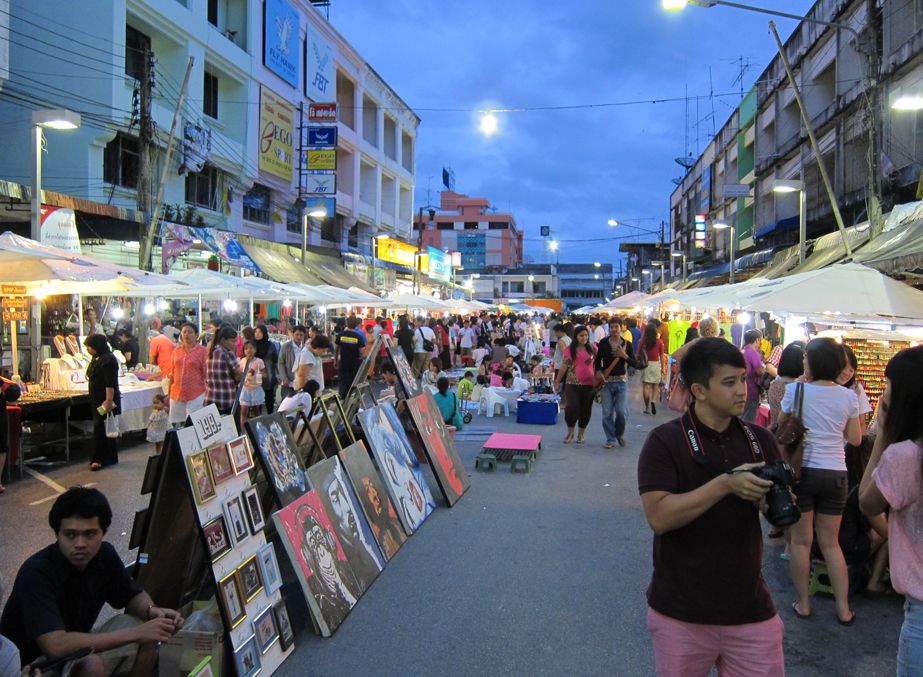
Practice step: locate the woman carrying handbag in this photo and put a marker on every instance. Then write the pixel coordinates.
(105, 400)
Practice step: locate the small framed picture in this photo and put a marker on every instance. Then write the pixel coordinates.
(264, 629)
(241, 454)
(232, 599)
(203, 484)
(220, 461)
(283, 624)
(216, 535)
(247, 658)
(203, 669)
(236, 522)
(269, 568)
(254, 510)
(250, 582)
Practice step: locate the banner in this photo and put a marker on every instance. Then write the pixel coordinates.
(59, 228)
(276, 135)
(321, 80)
(174, 240)
(197, 144)
(281, 36)
(225, 245)
(394, 251)
(440, 264)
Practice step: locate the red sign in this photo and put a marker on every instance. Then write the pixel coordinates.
(322, 112)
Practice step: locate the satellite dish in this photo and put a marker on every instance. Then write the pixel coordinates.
(677, 180)
(686, 162)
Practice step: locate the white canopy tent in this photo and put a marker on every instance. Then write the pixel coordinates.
(632, 299)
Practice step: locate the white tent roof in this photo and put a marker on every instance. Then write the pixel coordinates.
(630, 300)
(414, 301)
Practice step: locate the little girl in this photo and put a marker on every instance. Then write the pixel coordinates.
(252, 394)
(431, 375)
(158, 422)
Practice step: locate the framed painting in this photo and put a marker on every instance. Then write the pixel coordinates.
(232, 599)
(326, 578)
(409, 383)
(250, 582)
(247, 658)
(200, 475)
(400, 469)
(241, 454)
(373, 499)
(265, 630)
(219, 460)
(329, 480)
(283, 624)
(235, 520)
(439, 447)
(202, 669)
(269, 568)
(276, 448)
(216, 537)
(254, 510)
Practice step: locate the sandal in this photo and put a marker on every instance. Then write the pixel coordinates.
(580, 440)
(609, 445)
(95, 467)
(800, 615)
(851, 620)
(568, 438)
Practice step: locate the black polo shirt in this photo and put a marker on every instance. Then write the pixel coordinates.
(709, 571)
(351, 343)
(51, 594)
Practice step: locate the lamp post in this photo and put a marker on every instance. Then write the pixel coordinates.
(416, 271)
(374, 253)
(644, 272)
(677, 255)
(317, 211)
(638, 280)
(790, 186)
(658, 263)
(725, 226)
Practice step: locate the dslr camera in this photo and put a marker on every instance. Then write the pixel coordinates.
(781, 510)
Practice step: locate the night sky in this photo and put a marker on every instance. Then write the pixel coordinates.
(570, 168)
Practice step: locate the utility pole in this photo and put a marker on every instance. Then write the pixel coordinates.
(145, 137)
(867, 44)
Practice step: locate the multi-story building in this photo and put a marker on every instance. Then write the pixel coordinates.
(533, 281)
(486, 239)
(584, 284)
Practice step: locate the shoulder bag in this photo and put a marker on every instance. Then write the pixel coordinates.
(427, 344)
(790, 434)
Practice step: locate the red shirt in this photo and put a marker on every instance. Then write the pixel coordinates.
(188, 379)
(654, 354)
(161, 353)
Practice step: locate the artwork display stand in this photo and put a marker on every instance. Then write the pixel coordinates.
(353, 399)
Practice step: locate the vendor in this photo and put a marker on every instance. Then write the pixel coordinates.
(128, 344)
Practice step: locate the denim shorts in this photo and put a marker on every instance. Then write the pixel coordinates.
(822, 491)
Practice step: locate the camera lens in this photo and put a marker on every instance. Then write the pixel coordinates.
(781, 510)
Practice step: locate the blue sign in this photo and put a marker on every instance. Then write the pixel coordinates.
(440, 264)
(320, 207)
(281, 36)
(322, 137)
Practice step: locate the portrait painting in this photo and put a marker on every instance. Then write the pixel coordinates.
(254, 510)
(283, 624)
(408, 382)
(277, 451)
(264, 629)
(220, 462)
(247, 658)
(216, 537)
(356, 539)
(439, 447)
(250, 582)
(326, 577)
(232, 599)
(241, 454)
(269, 568)
(400, 469)
(373, 499)
(203, 485)
(235, 520)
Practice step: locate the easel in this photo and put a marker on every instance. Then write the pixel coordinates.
(352, 400)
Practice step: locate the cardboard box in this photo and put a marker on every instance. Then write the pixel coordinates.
(187, 648)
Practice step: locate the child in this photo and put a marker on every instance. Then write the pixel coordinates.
(252, 394)
(431, 375)
(303, 398)
(540, 375)
(465, 386)
(158, 422)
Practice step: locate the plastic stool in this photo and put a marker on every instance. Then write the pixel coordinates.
(485, 462)
(820, 579)
(521, 463)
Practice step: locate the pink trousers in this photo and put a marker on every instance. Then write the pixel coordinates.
(690, 650)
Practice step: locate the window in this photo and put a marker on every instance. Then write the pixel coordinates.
(213, 12)
(517, 287)
(471, 225)
(293, 220)
(210, 95)
(121, 161)
(497, 225)
(202, 188)
(256, 204)
(137, 44)
(539, 288)
(445, 226)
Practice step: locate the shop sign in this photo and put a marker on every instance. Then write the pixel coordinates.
(320, 184)
(322, 112)
(276, 135)
(14, 308)
(322, 159)
(395, 251)
(322, 137)
(18, 289)
(321, 80)
(281, 38)
(440, 264)
(15, 315)
(700, 233)
(59, 228)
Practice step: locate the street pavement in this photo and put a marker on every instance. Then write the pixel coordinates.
(529, 574)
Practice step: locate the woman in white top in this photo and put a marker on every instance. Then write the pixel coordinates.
(831, 415)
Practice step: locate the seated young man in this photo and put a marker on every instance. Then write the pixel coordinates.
(60, 590)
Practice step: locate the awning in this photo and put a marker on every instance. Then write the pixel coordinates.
(829, 248)
(711, 271)
(780, 226)
(781, 263)
(895, 251)
(755, 259)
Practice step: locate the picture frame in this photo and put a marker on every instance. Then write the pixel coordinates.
(219, 460)
(406, 379)
(439, 447)
(247, 658)
(216, 538)
(232, 599)
(269, 568)
(250, 582)
(283, 624)
(138, 528)
(203, 669)
(241, 453)
(274, 443)
(265, 630)
(235, 522)
(200, 477)
(254, 510)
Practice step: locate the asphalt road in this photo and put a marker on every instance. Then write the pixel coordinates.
(538, 574)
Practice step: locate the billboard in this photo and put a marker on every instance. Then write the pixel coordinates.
(276, 135)
(321, 159)
(440, 264)
(281, 35)
(320, 184)
(320, 69)
(322, 137)
(394, 251)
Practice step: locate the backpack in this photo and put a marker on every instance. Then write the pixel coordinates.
(641, 358)
(427, 344)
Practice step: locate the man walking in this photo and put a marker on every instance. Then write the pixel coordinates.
(755, 369)
(288, 355)
(347, 356)
(423, 338)
(613, 357)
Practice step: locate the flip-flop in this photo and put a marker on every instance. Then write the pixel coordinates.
(96, 467)
(800, 615)
(847, 623)
(568, 439)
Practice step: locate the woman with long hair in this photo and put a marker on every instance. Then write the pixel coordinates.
(222, 372)
(653, 374)
(105, 398)
(894, 479)
(579, 375)
(266, 350)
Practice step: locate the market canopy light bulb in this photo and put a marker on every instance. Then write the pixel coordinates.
(229, 305)
(743, 318)
(117, 313)
(149, 309)
(908, 102)
(287, 303)
(489, 124)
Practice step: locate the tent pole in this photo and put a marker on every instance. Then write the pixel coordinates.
(199, 314)
(80, 335)
(251, 311)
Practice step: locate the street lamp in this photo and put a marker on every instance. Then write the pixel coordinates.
(725, 226)
(677, 255)
(676, 5)
(374, 254)
(791, 186)
(638, 280)
(416, 271)
(644, 272)
(659, 263)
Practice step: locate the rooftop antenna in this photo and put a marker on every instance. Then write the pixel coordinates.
(744, 64)
(322, 6)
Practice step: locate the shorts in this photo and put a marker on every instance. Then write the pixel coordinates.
(179, 411)
(252, 397)
(823, 491)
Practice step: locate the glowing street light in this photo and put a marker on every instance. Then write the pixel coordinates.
(597, 264)
(489, 125)
(553, 245)
(784, 186)
(613, 222)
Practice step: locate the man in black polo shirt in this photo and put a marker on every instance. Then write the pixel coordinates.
(613, 357)
(708, 604)
(60, 590)
(348, 354)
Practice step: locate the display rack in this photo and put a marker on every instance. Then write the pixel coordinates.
(873, 356)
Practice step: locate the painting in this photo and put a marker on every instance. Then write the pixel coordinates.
(283, 624)
(232, 600)
(439, 447)
(254, 510)
(235, 520)
(200, 476)
(326, 578)
(216, 537)
(269, 568)
(399, 467)
(250, 582)
(220, 462)
(264, 628)
(356, 539)
(203, 669)
(373, 499)
(241, 454)
(247, 658)
(408, 382)
(277, 451)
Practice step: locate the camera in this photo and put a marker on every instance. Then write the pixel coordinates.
(781, 510)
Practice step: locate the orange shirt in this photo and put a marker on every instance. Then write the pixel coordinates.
(161, 353)
(188, 380)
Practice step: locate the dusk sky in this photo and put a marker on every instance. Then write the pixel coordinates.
(571, 168)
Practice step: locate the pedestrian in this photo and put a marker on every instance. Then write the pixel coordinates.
(830, 412)
(613, 357)
(347, 356)
(708, 604)
(160, 351)
(755, 371)
(266, 351)
(288, 353)
(158, 421)
(424, 342)
(848, 379)
(404, 337)
(252, 395)
(652, 374)
(579, 375)
(128, 344)
(893, 480)
(790, 369)
(563, 334)
(105, 399)
(222, 371)
(187, 381)
(9, 392)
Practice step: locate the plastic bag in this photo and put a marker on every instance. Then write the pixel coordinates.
(112, 425)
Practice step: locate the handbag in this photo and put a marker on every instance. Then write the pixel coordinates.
(641, 359)
(680, 397)
(112, 425)
(427, 344)
(790, 434)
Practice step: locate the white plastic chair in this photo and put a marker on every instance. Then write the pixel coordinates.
(490, 401)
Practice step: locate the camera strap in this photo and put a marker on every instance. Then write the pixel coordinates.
(694, 440)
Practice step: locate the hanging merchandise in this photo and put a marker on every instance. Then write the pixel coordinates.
(873, 356)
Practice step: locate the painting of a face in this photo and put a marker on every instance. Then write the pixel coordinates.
(439, 447)
(276, 449)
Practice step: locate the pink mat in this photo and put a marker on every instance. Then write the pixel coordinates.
(513, 441)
